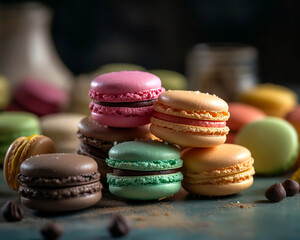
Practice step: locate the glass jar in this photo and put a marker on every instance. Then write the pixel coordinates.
(222, 69)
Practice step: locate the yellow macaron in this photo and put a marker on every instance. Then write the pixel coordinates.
(20, 150)
(218, 171)
(274, 100)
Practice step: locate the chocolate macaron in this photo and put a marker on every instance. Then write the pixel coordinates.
(96, 140)
(59, 182)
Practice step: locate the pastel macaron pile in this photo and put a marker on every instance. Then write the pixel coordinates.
(197, 122)
(121, 107)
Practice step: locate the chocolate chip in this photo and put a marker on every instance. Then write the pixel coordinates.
(12, 211)
(51, 231)
(275, 193)
(291, 187)
(119, 226)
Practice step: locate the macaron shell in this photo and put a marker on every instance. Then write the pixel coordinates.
(125, 82)
(8, 159)
(217, 190)
(146, 192)
(57, 165)
(274, 100)
(143, 151)
(192, 100)
(35, 146)
(92, 129)
(40, 98)
(17, 124)
(273, 143)
(187, 139)
(71, 204)
(62, 128)
(222, 156)
(242, 114)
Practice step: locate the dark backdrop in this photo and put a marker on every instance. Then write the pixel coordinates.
(158, 34)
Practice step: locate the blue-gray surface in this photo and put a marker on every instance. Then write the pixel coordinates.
(244, 216)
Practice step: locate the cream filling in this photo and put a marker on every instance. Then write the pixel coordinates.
(202, 115)
(189, 128)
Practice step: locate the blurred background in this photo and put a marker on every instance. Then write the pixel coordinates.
(220, 47)
(159, 34)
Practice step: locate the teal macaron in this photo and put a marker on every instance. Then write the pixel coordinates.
(273, 143)
(144, 170)
(14, 125)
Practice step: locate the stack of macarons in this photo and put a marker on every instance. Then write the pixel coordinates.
(121, 107)
(197, 122)
(50, 181)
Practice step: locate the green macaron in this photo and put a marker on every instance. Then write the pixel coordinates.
(273, 143)
(144, 170)
(14, 125)
(171, 80)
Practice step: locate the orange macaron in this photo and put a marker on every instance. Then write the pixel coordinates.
(219, 171)
(190, 118)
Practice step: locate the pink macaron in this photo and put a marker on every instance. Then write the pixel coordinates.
(241, 115)
(124, 99)
(39, 98)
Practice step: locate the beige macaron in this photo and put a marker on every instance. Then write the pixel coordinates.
(223, 170)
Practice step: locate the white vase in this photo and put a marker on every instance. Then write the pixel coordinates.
(26, 47)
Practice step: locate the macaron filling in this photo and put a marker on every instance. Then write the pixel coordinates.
(143, 180)
(127, 104)
(189, 121)
(122, 172)
(194, 114)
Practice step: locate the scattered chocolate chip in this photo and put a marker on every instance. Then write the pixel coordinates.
(51, 231)
(275, 193)
(119, 226)
(291, 187)
(12, 211)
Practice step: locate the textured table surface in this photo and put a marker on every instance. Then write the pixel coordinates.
(244, 216)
